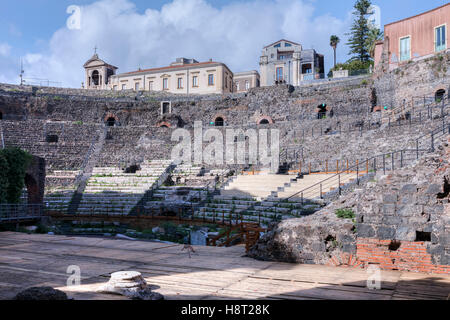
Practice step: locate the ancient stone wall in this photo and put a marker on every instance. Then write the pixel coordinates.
(402, 222)
(412, 81)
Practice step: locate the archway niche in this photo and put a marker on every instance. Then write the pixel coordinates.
(321, 111)
(32, 189)
(110, 122)
(95, 78)
(439, 95)
(219, 122)
(264, 121)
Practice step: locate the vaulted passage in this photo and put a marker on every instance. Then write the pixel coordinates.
(110, 122)
(219, 122)
(439, 95)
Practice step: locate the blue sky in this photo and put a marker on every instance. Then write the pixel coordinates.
(129, 36)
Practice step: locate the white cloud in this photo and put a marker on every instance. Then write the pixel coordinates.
(233, 34)
(5, 49)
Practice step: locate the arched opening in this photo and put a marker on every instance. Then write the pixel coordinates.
(219, 122)
(110, 122)
(1, 115)
(264, 121)
(322, 111)
(95, 78)
(163, 126)
(439, 95)
(32, 189)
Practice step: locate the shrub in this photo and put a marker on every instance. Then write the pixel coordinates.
(18, 162)
(345, 213)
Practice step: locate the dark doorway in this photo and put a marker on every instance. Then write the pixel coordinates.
(219, 122)
(165, 107)
(32, 189)
(52, 138)
(1, 116)
(111, 122)
(439, 95)
(264, 121)
(322, 112)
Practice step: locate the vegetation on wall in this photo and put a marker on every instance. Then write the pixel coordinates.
(3, 178)
(13, 166)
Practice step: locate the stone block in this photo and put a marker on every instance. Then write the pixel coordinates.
(385, 233)
(389, 209)
(409, 188)
(409, 210)
(390, 198)
(405, 233)
(365, 230)
(433, 189)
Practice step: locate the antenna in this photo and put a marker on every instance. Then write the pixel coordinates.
(95, 49)
(21, 72)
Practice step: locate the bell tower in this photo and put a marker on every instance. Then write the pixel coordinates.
(97, 73)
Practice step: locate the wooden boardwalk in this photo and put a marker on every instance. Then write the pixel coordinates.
(210, 272)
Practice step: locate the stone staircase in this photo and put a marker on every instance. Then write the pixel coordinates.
(112, 191)
(59, 189)
(257, 186)
(225, 208)
(308, 181)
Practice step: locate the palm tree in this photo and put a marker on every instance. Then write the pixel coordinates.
(373, 36)
(334, 40)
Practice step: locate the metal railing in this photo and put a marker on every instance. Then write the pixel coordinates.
(386, 162)
(19, 212)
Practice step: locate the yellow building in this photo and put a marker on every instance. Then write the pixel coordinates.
(184, 76)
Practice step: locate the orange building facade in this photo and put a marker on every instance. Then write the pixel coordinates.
(415, 37)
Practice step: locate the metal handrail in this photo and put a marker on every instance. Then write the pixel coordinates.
(442, 131)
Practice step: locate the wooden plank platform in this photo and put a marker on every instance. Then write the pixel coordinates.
(210, 272)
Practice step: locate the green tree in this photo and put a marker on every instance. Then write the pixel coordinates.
(360, 31)
(3, 178)
(334, 41)
(373, 36)
(18, 162)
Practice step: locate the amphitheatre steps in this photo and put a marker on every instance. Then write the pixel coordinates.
(111, 190)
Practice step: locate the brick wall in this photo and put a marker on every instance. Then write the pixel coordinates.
(401, 255)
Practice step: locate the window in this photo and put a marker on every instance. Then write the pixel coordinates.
(247, 85)
(52, 138)
(150, 86)
(237, 86)
(277, 45)
(165, 84)
(195, 81)
(226, 82)
(440, 39)
(180, 83)
(124, 86)
(136, 86)
(287, 45)
(405, 48)
(279, 74)
(210, 79)
(165, 107)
